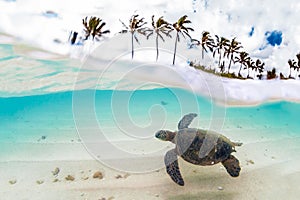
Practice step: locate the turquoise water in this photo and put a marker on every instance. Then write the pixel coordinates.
(32, 121)
(26, 119)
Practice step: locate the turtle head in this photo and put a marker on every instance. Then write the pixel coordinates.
(165, 135)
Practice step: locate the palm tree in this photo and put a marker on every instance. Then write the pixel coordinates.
(222, 66)
(243, 59)
(271, 74)
(206, 42)
(135, 26)
(160, 27)
(298, 57)
(231, 49)
(298, 63)
(93, 27)
(259, 66)
(220, 44)
(180, 27)
(250, 64)
(293, 65)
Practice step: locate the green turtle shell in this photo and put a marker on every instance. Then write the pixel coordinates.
(202, 147)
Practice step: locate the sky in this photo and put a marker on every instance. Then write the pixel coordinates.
(267, 29)
(251, 21)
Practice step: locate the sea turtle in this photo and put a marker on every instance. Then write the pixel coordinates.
(199, 147)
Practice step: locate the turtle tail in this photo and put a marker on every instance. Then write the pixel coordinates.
(237, 144)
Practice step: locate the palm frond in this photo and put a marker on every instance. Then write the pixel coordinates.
(161, 37)
(149, 34)
(136, 39)
(93, 27)
(106, 31)
(124, 25)
(152, 21)
(186, 22)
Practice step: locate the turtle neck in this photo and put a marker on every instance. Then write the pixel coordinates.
(170, 136)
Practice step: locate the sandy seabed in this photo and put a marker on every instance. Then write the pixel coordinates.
(273, 174)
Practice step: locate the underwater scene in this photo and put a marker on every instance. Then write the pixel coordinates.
(174, 100)
(41, 133)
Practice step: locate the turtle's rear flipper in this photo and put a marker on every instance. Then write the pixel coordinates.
(171, 163)
(232, 166)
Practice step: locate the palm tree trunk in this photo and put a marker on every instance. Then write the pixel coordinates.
(175, 48)
(248, 72)
(290, 72)
(220, 58)
(132, 50)
(229, 64)
(202, 53)
(240, 69)
(156, 46)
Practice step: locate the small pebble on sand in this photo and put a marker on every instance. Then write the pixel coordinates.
(39, 182)
(250, 162)
(220, 188)
(56, 171)
(42, 138)
(69, 178)
(126, 175)
(12, 182)
(118, 176)
(109, 198)
(98, 174)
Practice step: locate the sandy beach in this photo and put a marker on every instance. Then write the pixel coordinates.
(270, 170)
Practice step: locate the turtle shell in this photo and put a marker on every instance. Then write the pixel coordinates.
(202, 147)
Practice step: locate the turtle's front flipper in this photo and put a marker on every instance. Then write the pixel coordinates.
(186, 120)
(171, 163)
(232, 166)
